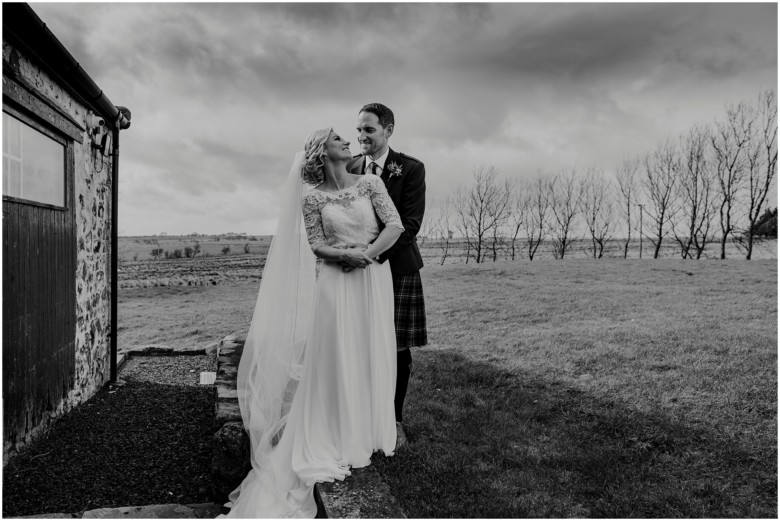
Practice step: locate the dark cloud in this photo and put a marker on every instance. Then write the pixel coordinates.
(223, 94)
(576, 42)
(201, 166)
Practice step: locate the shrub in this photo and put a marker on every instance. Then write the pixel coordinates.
(177, 254)
(188, 252)
(225, 250)
(766, 226)
(246, 248)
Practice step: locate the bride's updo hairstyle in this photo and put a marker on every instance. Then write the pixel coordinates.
(314, 149)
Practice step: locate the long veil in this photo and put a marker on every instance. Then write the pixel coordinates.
(271, 364)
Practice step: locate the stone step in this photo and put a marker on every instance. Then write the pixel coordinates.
(226, 394)
(227, 412)
(227, 371)
(169, 511)
(362, 495)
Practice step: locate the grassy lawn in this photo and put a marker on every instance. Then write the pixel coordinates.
(577, 388)
(604, 388)
(184, 316)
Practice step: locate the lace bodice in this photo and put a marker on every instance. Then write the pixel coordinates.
(348, 215)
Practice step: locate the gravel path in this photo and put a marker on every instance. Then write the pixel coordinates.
(148, 442)
(170, 370)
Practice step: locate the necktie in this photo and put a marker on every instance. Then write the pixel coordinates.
(373, 167)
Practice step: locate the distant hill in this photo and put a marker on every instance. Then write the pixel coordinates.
(138, 248)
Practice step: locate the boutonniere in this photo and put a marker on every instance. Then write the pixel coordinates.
(395, 170)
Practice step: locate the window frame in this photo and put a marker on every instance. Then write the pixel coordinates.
(69, 166)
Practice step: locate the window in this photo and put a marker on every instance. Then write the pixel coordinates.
(33, 164)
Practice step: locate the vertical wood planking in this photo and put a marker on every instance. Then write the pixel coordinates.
(10, 258)
(39, 307)
(25, 355)
(17, 353)
(35, 302)
(70, 224)
(39, 311)
(9, 311)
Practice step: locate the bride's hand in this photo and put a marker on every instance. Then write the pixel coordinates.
(356, 258)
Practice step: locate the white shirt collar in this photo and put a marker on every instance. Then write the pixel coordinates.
(380, 161)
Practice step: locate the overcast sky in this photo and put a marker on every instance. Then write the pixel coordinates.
(222, 96)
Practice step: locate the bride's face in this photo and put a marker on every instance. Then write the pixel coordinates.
(337, 149)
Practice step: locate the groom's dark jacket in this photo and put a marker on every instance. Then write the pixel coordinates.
(407, 191)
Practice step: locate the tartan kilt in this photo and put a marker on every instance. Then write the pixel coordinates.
(410, 329)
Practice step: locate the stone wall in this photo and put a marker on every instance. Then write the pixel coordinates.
(93, 181)
(93, 279)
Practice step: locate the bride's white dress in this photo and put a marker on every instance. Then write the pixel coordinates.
(343, 409)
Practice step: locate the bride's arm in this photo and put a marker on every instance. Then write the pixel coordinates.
(312, 219)
(354, 257)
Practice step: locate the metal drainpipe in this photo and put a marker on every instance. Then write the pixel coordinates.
(114, 247)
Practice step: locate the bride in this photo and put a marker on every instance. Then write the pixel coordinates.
(316, 380)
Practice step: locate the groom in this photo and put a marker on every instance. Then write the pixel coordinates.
(404, 177)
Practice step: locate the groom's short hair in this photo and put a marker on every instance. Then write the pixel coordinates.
(384, 114)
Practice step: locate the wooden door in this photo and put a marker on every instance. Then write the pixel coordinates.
(39, 286)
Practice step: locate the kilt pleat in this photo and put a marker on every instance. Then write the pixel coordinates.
(410, 327)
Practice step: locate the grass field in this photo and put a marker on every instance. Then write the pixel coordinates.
(577, 388)
(184, 316)
(594, 389)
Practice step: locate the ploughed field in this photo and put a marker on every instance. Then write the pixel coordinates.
(190, 260)
(198, 271)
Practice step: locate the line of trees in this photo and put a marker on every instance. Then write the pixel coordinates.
(707, 186)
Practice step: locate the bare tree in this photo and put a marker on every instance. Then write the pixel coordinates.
(441, 218)
(518, 214)
(662, 168)
(499, 213)
(426, 226)
(627, 179)
(537, 208)
(696, 192)
(729, 142)
(564, 194)
(480, 208)
(761, 162)
(597, 208)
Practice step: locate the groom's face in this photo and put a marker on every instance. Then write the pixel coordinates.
(371, 135)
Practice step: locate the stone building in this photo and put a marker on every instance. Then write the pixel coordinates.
(60, 168)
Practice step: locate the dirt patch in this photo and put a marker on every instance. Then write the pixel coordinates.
(148, 442)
